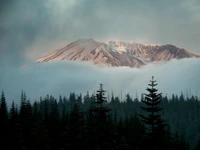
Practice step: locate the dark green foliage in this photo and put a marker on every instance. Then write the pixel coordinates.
(89, 122)
(74, 131)
(123, 144)
(3, 106)
(39, 131)
(3, 121)
(100, 123)
(197, 147)
(156, 128)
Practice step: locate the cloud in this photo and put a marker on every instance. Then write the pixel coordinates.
(26, 24)
(193, 7)
(31, 29)
(63, 77)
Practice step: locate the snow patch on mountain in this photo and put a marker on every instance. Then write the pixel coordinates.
(117, 53)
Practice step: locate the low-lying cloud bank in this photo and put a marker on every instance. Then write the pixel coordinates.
(63, 77)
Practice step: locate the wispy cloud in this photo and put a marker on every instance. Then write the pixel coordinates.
(192, 7)
(30, 29)
(64, 77)
(25, 24)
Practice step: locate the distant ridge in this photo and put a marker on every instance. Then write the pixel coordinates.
(117, 53)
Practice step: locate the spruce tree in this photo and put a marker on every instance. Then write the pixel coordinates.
(197, 146)
(3, 106)
(74, 131)
(153, 122)
(39, 131)
(3, 122)
(123, 144)
(13, 134)
(100, 119)
(54, 124)
(100, 111)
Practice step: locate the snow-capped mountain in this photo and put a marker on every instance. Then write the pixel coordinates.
(117, 53)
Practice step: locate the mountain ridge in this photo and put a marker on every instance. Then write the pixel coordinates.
(117, 53)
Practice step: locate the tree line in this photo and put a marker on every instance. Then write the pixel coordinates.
(90, 122)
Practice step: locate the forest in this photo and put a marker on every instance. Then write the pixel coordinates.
(95, 122)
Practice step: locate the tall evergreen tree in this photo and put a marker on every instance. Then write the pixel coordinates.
(74, 131)
(100, 119)
(100, 110)
(54, 124)
(3, 106)
(3, 122)
(39, 131)
(154, 124)
(13, 131)
(197, 146)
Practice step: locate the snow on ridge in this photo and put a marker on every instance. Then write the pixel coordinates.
(114, 53)
(152, 44)
(117, 45)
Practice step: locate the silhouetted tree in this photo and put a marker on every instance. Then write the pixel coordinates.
(46, 124)
(100, 119)
(74, 132)
(155, 125)
(197, 146)
(3, 122)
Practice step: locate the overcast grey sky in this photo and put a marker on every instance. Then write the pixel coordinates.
(34, 27)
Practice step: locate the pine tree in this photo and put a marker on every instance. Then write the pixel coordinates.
(3, 106)
(39, 131)
(3, 122)
(54, 124)
(155, 125)
(101, 123)
(100, 111)
(74, 131)
(23, 106)
(123, 144)
(13, 134)
(197, 147)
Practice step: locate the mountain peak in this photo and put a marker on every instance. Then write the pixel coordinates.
(85, 40)
(117, 53)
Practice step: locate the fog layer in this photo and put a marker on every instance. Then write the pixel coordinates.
(63, 77)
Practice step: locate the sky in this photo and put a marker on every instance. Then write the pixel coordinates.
(36, 27)
(33, 28)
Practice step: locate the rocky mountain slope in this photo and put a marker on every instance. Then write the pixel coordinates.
(117, 53)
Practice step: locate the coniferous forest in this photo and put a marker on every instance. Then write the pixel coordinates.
(92, 122)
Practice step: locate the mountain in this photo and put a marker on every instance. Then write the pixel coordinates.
(117, 53)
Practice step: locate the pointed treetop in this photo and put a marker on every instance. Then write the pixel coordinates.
(152, 79)
(101, 86)
(2, 95)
